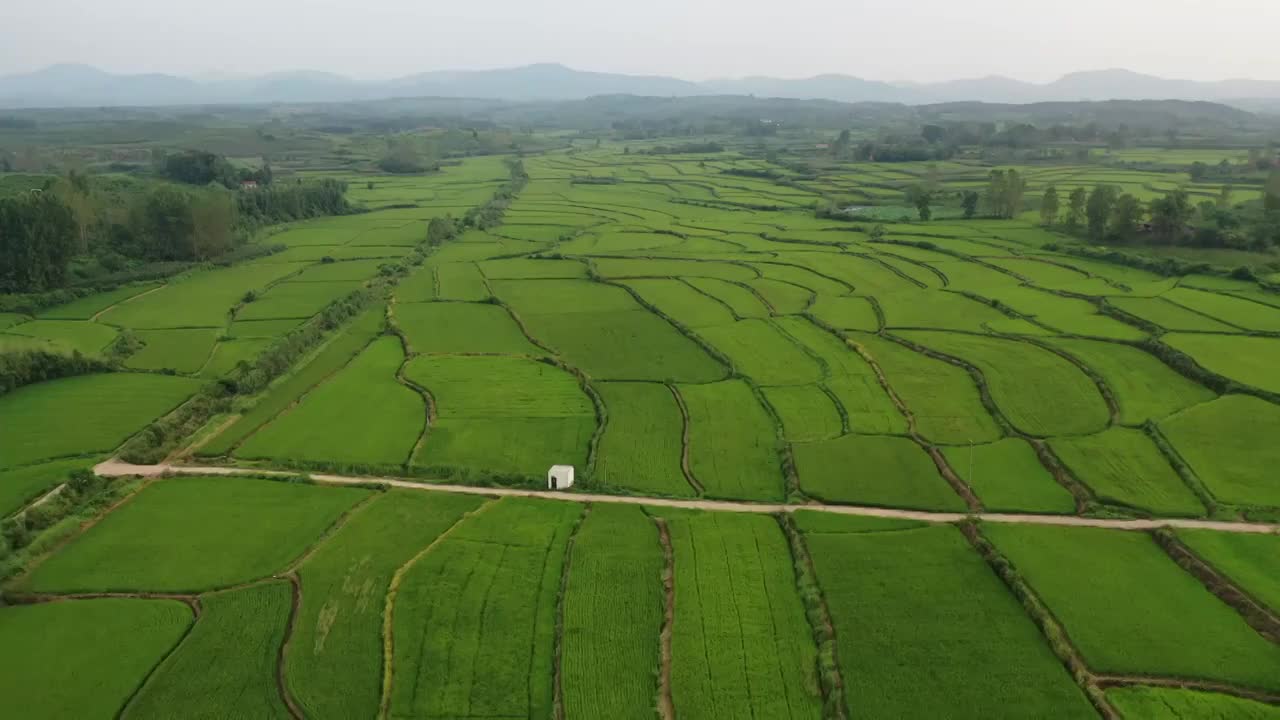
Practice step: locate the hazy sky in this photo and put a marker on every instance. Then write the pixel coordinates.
(920, 40)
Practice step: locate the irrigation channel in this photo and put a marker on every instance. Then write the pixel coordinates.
(115, 468)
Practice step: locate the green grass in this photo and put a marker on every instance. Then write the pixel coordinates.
(1248, 360)
(338, 271)
(845, 312)
(1252, 562)
(20, 486)
(807, 413)
(641, 446)
(86, 307)
(83, 415)
(182, 351)
(802, 277)
(925, 629)
(195, 533)
(1124, 466)
(1229, 444)
(1158, 703)
(733, 446)
(758, 350)
(612, 615)
(474, 620)
(83, 659)
(450, 327)
(1144, 388)
(524, 268)
(68, 335)
(1130, 609)
(1040, 393)
(873, 470)
(1007, 476)
(335, 657)
(740, 643)
(361, 415)
(226, 667)
(262, 328)
(346, 343)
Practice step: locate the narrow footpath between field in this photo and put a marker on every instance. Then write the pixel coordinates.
(115, 468)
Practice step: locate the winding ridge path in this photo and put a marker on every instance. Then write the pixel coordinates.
(114, 468)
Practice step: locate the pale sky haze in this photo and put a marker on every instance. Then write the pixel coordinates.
(923, 40)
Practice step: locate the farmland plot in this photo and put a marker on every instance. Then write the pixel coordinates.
(502, 413)
(1124, 466)
(760, 352)
(226, 667)
(228, 354)
(1144, 388)
(84, 658)
(1229, 443)
(846, 312)
(1156, 703)
(465, 328)
(975, 654)
(807, 412)
(740, 643)
(873, 470)
(641, 447)
(785, 298)
(474, 620)
(1252, 562)
(68, 335)
(337, 352)
(35, 416)
(461, 281)
(612, 616)
(335, 657)
(1130, 609)
(1039, 392)
(733, 445)
(183, 351)
(204, 299)
(935, 309)
(850, 379)
(190, 534)
(1007, 476)
(295, 300)
(86, 307)
(1062, 313)
(942, 397)
(680, 302)
(739, 298)
(1235, 311)
(361, 415)
(25, 484)
(1248, 360)
(1169, 316)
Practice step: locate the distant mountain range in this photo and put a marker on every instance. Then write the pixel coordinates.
(85, 86)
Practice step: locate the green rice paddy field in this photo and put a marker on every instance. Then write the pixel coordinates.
(668, 341)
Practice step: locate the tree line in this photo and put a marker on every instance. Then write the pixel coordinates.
(42, 231)
(1107, 214)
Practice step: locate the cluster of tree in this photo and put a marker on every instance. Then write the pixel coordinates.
(1107, 214)
(404, 158)
(285, 202)
(38, 238)
(1004, 192)
(196, 167)
(1257, 166)
(690, 148)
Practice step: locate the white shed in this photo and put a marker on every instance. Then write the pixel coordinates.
(560, 477)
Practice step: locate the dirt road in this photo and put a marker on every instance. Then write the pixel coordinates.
(113, 468)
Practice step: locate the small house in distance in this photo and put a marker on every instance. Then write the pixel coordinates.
(560, 477)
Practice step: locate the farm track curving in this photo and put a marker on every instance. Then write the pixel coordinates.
(114, 468)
